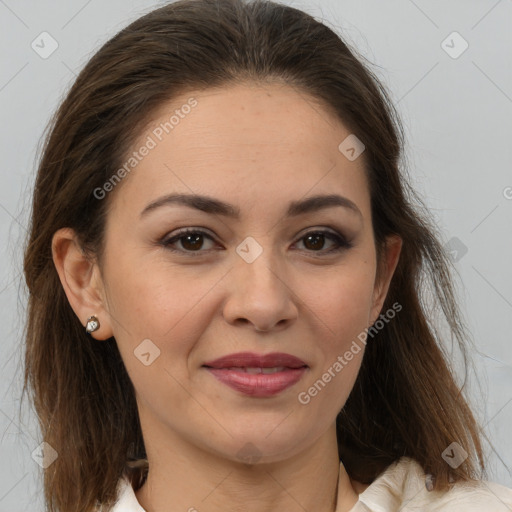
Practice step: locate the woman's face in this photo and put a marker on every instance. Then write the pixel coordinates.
(263, 281)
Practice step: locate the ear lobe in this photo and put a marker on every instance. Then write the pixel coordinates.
(81, 281)
(391, 256)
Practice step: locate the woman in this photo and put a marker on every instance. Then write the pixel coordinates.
(226, 269)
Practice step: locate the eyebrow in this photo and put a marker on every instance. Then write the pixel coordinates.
(215, 206)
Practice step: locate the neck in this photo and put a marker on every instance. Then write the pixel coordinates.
(182, 477)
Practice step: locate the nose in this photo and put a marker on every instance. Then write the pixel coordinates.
(259, 295)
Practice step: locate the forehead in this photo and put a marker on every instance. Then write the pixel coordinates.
(248, 117)
(248, 141)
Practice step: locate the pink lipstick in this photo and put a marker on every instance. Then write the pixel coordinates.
(258, 375)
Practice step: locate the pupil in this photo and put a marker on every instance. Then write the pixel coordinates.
(316, 237)
(196, 237)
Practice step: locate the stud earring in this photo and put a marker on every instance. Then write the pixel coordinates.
(93, 324)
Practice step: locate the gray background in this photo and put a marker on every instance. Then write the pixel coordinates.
(458, 118)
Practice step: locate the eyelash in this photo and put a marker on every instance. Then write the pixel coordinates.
(341, 243)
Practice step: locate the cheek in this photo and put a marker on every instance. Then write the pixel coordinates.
(340, 307)
(157, 299)
(341, 301)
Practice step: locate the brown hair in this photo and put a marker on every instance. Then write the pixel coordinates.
(405, 401)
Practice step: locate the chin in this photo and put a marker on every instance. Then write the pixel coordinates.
(265, 446)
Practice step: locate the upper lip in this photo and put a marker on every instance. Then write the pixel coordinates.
(252, 360)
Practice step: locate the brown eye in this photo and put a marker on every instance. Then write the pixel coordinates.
(192, 241)
(314, 241)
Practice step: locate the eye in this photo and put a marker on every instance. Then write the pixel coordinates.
(190, 238)
(192, 241)
(315, 240)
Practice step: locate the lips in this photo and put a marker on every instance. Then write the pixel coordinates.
(251, 360)
(258, 375)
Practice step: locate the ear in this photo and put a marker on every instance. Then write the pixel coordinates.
(390, 256)
(81, 279)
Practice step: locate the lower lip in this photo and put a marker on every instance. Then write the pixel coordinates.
(259, 384)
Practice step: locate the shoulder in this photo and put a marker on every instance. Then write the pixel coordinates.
(126, 499)
(402, 486)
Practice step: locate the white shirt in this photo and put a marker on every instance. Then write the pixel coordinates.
(401, 487)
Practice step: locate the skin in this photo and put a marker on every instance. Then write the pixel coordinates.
(258, 147)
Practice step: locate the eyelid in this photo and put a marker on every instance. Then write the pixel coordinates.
(180, 233)
(340, 240)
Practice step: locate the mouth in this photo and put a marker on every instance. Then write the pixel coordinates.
(258, 375)
(255, 370)
(252, 360)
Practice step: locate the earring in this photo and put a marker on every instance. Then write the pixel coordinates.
(93, 324)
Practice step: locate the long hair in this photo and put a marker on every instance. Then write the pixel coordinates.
(405, 401)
